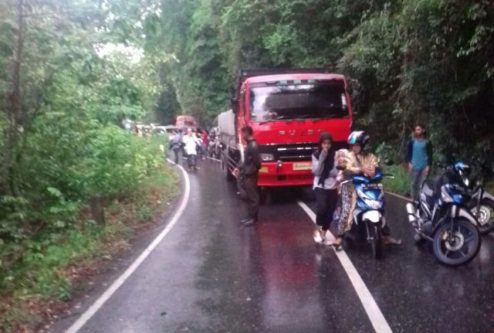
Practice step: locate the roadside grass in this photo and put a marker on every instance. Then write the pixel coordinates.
(38, 286)
(400, 182)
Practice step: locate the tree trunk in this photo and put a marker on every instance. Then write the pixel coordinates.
(14, 106)
(97, 210)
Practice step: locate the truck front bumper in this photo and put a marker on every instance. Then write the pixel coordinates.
(278, 174)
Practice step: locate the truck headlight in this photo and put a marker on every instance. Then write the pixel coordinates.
(266, 157)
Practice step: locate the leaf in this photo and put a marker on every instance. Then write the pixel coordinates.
(54, 192)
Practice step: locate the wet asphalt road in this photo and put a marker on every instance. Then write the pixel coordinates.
(212, 275)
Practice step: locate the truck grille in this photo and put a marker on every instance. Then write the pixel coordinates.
(294, 152)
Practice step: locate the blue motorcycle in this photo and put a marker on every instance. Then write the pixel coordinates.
(442, 216)
(369, 209)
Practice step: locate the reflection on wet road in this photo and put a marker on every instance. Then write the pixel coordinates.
(212, 275)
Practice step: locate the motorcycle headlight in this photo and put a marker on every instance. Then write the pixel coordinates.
(266, 157)
(369, 202)
(373, 204)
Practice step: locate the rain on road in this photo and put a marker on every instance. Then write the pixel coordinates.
(210, 274)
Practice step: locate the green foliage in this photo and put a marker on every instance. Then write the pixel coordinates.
(400, 183)
(62, 98)
(71, 70)
(119, 162)
(406, 61)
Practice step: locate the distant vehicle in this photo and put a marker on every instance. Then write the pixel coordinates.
(185, 121)
(165, 130)
(288, 110)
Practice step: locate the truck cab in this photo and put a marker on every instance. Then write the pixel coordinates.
(288, 110)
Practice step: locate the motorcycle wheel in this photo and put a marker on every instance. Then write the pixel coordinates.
(376, 241)
(485, 216)
(456, 242)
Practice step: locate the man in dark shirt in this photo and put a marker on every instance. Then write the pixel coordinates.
(246, 174)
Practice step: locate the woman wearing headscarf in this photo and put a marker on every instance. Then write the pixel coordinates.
(356, 161)
(325, 187)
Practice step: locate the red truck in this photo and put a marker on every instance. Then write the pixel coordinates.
(288, 110)
(185, 121)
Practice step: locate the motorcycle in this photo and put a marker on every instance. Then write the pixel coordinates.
(442, 217)
(482, 207)
(369, 210)
(481, 203)
(214, 148)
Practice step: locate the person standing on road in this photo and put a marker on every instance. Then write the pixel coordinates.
(419, 160)
(325, 188)
(176, 145)
(191, 143)
(357, 161)
(247, 174)
(205, 143)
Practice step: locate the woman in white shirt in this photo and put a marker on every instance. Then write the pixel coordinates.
(191, 141)
(325, 188)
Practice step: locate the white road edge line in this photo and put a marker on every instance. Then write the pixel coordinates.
(368, 302)
(91, 311)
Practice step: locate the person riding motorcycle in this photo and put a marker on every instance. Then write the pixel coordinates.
(357, 161)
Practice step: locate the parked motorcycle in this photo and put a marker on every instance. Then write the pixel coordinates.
(369, 209)
(481, 203)
(482, 206)
(442, 216)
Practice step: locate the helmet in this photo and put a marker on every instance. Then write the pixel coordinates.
(360, 138)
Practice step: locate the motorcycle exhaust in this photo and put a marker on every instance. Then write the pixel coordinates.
(412, 217)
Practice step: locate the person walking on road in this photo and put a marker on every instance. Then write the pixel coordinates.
(419, 160)
(325, 188)
(176, 145)
(247, 174)
(191, 143)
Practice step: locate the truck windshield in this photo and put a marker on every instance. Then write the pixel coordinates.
(309, 100)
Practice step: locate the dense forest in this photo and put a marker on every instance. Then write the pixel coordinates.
(428, 61)
(71, 70)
